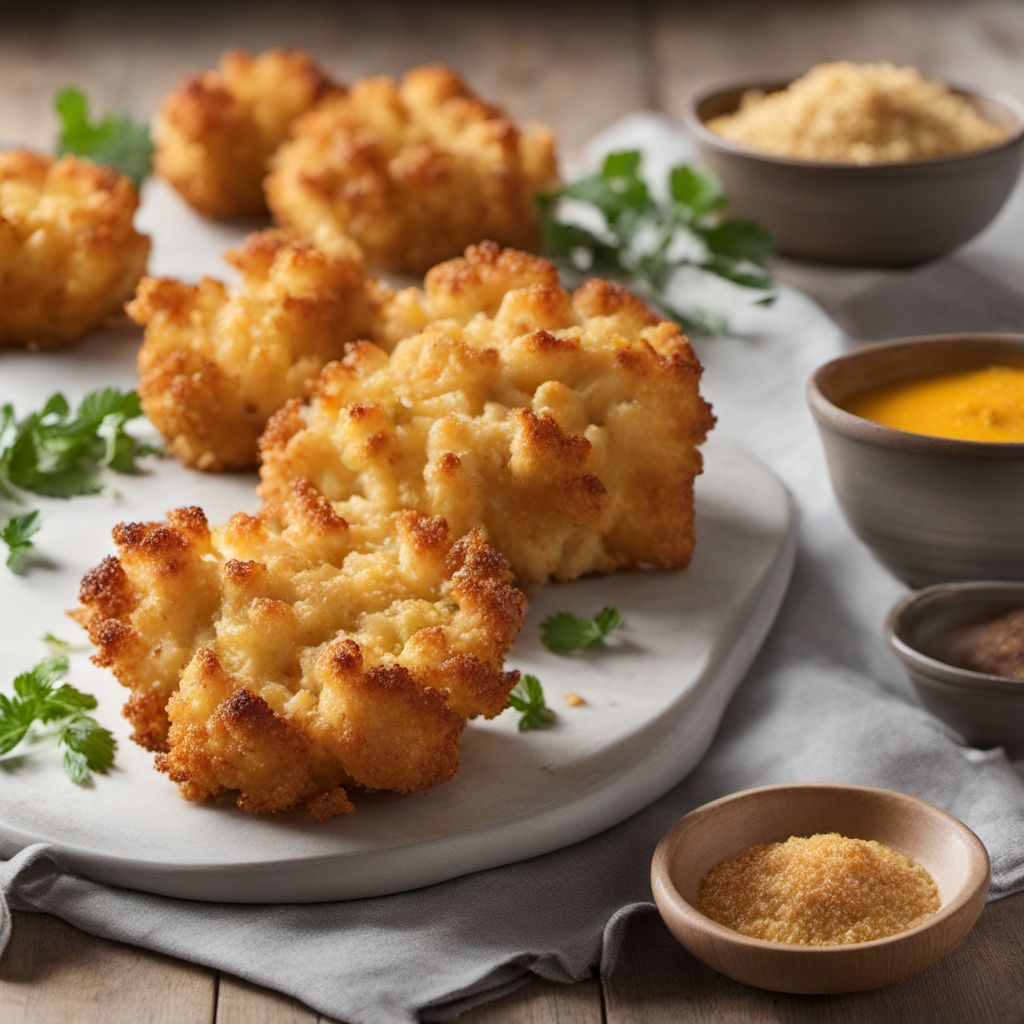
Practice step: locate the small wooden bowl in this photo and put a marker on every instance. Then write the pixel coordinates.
(875, 215)
(945, 847)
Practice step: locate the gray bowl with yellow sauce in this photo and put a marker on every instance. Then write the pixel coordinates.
(874, 215)
(931, 509)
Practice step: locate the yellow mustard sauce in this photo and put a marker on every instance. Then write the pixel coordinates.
(968, 405)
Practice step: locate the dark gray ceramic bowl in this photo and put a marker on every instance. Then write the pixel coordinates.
(987, 710)
(879, 215)
(930, 509)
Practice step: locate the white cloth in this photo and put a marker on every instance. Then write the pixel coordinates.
(823, 702)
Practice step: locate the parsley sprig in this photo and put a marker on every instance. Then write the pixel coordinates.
(564, 632)
(17, 534)
(116, 140)
(645, 242)
(528, 699)
(42, 697)
(58, 645)
(59, 453)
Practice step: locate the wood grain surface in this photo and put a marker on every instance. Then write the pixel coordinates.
(578, 66)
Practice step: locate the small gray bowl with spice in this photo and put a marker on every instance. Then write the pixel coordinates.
(877, 214)
(962, 644)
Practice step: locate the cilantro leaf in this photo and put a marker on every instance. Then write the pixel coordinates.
(17, 534)
(57, 453)
(740, 240)
(527, 698)
(696, 192)
(643, 241)
(59, 645)
(608, 620)
(116, 140)
(42, 696)
(15, 720)
(37, 683)
(564, 632)
(88, 747)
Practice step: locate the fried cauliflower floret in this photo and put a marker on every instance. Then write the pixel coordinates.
(414, 171)
(69, 252)
(215, 364)
(287, 662)
(216, 131)
(566, 425)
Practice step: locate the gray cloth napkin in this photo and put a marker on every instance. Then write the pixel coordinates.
(823, 702)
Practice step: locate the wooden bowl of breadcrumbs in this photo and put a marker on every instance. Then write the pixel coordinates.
(819, 888)
(862, 164)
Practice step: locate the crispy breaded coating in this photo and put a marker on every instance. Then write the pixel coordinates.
(216, 363)
(286, 662)
(414, 171)
(216, 131)
(69, 251)
(567, 425)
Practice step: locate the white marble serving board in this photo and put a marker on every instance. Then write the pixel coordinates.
(654, 698)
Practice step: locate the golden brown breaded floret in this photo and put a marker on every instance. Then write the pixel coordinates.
(286, 662)
(216, 363)
(567, 425)
(414, 171)
(216, 131)
(69, 251)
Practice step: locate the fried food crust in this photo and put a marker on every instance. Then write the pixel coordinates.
(69, 251)
(215, 132)
(567, 425)
(286, 662)
(414, 170)
(215, 364)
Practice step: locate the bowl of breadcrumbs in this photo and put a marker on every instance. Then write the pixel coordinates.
(819, 888)
(862, 164)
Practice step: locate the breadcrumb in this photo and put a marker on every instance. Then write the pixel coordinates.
(216, 131)
(574, 700)
(69, 251)
(819, 891)
(414, 170)
(860, 113)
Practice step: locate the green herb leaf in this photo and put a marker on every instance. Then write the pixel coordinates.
(639, 239)
(116, 141)
(740, 240)
(59, 454)
(528, 699)
(58, 645)
(87, 746)
(696, 192)
(17, 534)
(564, 632)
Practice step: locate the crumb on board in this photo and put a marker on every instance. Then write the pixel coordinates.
(574, 700)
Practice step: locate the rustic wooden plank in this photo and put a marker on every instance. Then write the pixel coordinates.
(543, 1002)
(658, 982)
(579, 66)
(539, 1002)
(52, 972)
(239, 1002)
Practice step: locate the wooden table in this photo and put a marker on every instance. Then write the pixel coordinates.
(579, 67)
